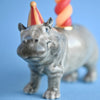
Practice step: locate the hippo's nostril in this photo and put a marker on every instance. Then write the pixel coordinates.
(36, 40)
(25, 41)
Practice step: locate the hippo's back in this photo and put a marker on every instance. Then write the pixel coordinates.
(81, 47)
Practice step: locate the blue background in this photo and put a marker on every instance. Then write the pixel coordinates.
(14, 73)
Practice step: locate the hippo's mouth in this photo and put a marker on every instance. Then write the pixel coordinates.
(35, 58)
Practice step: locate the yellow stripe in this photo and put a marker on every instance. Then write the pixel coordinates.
(29, 19)
(40, 16)
(36, 17)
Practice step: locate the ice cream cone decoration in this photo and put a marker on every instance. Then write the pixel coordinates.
(64, 10)
(35, 17)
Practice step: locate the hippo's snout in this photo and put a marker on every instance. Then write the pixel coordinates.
(31, 48)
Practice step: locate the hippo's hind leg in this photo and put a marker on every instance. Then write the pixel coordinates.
(91, 75)
(72, 77)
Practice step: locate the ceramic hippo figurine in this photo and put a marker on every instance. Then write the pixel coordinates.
(58, 53)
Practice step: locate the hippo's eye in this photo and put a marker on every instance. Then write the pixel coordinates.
(47, 29)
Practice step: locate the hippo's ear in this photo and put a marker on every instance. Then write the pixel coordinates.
(50, 21)
(21, 27)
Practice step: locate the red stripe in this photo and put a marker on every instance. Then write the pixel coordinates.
(68, 22)
(61, 5)
(33, 22)
(39, 16)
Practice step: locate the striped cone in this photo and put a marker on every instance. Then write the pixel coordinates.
(35, 17)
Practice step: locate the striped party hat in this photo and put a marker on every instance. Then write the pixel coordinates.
(35, 17)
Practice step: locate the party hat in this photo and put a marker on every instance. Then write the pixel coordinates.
(35, 17)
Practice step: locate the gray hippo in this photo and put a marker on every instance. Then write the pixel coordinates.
(58, 53)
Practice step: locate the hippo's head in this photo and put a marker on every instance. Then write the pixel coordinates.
(38, 41)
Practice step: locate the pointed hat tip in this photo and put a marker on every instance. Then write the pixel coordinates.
(33, 4)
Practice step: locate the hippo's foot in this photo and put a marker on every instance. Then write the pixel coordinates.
(90, 76)
(71, 77)
(30, 88)
(52, 94)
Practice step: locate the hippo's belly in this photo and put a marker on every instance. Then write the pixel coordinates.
(80, 48)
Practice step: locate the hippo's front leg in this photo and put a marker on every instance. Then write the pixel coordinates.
(33, 85)
(54, 77)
